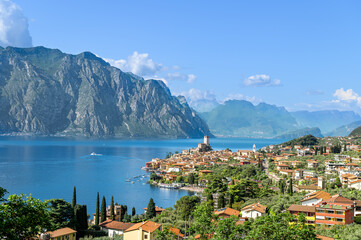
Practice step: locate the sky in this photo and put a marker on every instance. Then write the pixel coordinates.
(303, 55)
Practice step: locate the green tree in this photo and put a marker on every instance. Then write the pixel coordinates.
(150, 209)
(103, 211)
(203, 224)
(221, 201)
(22, 217)
(228, 229)
(112, 209)
(186, 205)
(338, 182)
(164, 234)
(290, 187)
(97, 211)
(81, 218)
(133, 211)
(190, 178)
(60, 213)
(74, 198)
(2, 193)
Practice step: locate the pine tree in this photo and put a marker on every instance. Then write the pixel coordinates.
(150, 209)
(97, 211)
(290, 187)
(74, 198)
(133, 211)
(103, 211)
(281, 185)
(112, 209)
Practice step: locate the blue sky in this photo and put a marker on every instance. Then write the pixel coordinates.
(304, 55)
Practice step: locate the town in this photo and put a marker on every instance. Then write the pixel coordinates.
(308, 187)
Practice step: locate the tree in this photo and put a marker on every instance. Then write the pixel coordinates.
(81, 217)
(186, 205)
(203, 216)
(190, 178)
(153, 176)
(74, 198)
(22, 217)
(221, 201)
(133, 211)
(165, 234)
(60, 213)
(97, 211)
(103, 211)
(123, 210)
(290, 187)
(228, 229)
(112, 209)
(338, 182)
(2, 193)
(281, 185)
(150, 209)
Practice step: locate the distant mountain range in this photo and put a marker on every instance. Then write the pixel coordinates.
(240, 118)
(45, 91)
(327, 120)
(300, 133)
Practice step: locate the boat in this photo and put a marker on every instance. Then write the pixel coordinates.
(95, 154)
(132, 182)
(128, 180)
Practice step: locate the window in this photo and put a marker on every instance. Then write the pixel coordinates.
(339, 212)
(330, 211)
(145, 236)
(339, 219)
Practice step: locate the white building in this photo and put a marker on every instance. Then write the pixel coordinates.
(114, 228)
(253, 210)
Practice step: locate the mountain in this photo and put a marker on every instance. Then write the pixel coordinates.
(45, 91)
(356, 132)
(344, 130)
(300, 133)
(240, 118)
(326, 120)
(307, 140)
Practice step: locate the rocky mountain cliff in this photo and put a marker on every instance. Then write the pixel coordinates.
(45, 91)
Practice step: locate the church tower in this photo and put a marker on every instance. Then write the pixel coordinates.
(254, 148)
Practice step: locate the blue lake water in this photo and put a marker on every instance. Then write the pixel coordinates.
(49, 167)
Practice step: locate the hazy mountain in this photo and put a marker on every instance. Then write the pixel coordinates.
(356, 132)
(300, 133)
(326, 120)
(344, 130)
(45, 91)
(242, 118)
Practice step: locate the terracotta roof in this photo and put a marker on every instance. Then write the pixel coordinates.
(198, 236)
(227, 211)
(324, 237)
(301, 208)
(61, 232)
(176, 231)
(147, 226)
(256, 206)
(316, 195)
(355, 181)
(115, 225)
(157, 209)
(339, 199)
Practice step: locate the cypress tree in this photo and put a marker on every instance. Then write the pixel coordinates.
(290, 187)
(133, 211)
(220, 202)
(97, 211)
(150, 209)
(103, 211)
(74, 198)
(112, 209)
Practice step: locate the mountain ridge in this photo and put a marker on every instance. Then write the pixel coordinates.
(45, 91)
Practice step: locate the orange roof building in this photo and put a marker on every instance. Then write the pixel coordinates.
(65, 233)
(253, 210)
(113, 228)
(227, 212)
(142, 230)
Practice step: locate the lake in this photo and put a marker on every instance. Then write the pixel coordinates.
(49, 167)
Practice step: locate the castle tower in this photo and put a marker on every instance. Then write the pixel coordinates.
(321, 182)
(254, 148)
(206, 140)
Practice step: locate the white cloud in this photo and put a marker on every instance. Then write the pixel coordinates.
(142, 65)
(261, 80)
(196, 94)
(189, 78)
(347, 95)
(14, 25)
(137, 63)
(239, 96)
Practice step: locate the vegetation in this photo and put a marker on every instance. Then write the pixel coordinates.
(150, 209)
(97, 211)
(308, 140)
(103, 211)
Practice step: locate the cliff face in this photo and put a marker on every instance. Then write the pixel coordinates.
(45, 91)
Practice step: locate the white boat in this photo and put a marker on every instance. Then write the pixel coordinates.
(95, 154)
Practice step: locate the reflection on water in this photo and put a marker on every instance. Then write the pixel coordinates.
(51, 167)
